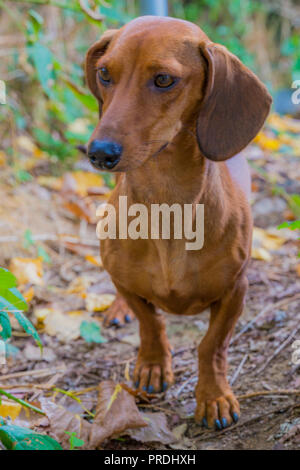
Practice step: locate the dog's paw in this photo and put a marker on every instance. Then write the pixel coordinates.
(218, 413)
(118, 313)
(153, 378)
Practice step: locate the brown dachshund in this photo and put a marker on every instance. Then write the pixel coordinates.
(174, 106)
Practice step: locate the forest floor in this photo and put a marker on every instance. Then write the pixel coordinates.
(54, 217)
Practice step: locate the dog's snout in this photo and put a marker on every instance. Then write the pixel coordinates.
(104, 154)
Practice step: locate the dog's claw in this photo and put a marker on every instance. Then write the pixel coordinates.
(224, 423)
(144, 389)
(127, 318)
(115, 321)
(218, 424)
(204, 422)
(165, 386)
(150, 389)
(235, 417)
(136, 384)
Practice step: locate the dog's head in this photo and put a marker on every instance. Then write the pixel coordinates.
(158, 77)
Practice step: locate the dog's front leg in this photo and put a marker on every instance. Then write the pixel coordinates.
(153, 370)
(216, 403)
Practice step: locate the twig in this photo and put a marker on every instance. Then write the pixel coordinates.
(265, 310)
(35, 372)
(279, 349)
(160, 408)
(191, 379)
(280, 409)
(268, 393)
(239, 369)
(21, 402)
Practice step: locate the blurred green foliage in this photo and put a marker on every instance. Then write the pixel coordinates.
(43, 70)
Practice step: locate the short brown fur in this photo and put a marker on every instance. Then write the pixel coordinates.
(213, 112)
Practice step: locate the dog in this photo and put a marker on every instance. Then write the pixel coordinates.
(173, 107)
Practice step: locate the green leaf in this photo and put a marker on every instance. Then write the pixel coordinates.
(11, 300)
(294, 225)
(43, 254)
(5, 333)
(17, 438)
(74, 440)
(7, 279)
(42, 59)
(90, 331)
(28, 240)
(87, 100)
(28, 327)
(23, 176)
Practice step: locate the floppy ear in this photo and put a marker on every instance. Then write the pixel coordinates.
(234, 107)
(92, 55)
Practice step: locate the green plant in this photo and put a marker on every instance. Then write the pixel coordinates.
(74, 440)
(18, 438)
(12, 301)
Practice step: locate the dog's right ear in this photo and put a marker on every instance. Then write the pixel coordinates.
(92, 55)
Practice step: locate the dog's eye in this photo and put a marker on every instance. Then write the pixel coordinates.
(164, 81)
(104, 75)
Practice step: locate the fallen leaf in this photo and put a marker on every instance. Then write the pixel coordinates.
(96, 260)
(79, 285)
(267, 143)
(2, 158)
(265, 241)
(40, 314)
(28, 294)
(62, 420)
(27, 270)
(50, 182)
(156, 431)
(90, 332)
(10, 409)
(116, 412)
(65, 326)
(98, 302)
(83, 208)
(80, 182)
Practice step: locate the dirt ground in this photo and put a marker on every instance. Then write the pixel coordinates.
(261, 368)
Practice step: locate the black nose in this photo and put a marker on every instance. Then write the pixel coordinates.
(104, 154)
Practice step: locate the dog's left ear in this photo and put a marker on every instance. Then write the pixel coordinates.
(93, 54)
(234, 107)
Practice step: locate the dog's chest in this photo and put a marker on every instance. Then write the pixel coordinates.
(161, 271)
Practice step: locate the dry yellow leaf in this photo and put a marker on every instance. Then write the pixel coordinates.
(79, 285)
(27, 270)
(267, 239)
(80, 182)
(50, 182)
(98, 302)
(267, 143)
(10, 409)
(25, 144)
(29, 294)
(96, 260)
(65, 326)
(41, 313)
(2, 158)
(261, 254)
